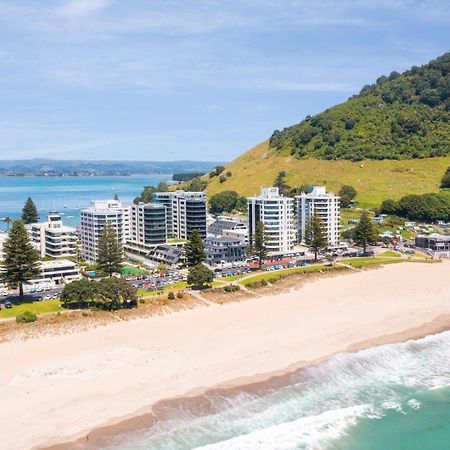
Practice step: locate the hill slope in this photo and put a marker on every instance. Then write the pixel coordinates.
(401, 116)
(374, 180)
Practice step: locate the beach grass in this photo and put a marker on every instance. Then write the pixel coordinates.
(45, 306)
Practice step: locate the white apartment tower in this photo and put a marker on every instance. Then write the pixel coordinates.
(277, 214)
(148, 223)
(93, 221)
(327, 206)
(52, 238)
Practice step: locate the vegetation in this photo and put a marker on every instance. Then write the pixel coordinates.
(20, 260)
(107, 294)
(401, 116)
(347, 194)
(197, 184)
(226, 202)
(374, 180)
(186, 176)
(216, 171)
(146, 194)
(26, 317)
(110, 252)
(38, 307)
(445, 182)
(257, 245)
(426, 207)
(194, 250)
(200, 277)
(29, 212)
(315, 236)
(364, 233)
(232, 288)
(171, 296)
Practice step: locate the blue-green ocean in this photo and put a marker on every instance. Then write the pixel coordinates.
(68, 194)
(388, 397)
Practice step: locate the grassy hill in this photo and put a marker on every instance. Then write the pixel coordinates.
(401, 116)
(374, 180)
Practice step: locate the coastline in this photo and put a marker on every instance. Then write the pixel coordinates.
(257, 384)
(69, 379)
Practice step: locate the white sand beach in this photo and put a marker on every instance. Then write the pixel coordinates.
(58, 388)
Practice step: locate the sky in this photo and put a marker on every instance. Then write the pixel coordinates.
(192, 79)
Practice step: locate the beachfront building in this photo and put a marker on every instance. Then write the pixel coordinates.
(93, 221)
(188, 212)
(277, 214)
(436, 243)
(221, 224)
(148, 223)
(326, 205)
(223, 249)
(57, 271)
(166, 199)
(52, 238)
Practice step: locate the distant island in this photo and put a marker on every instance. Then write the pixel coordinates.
(76, 168)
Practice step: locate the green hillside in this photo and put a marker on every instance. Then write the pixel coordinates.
(401, 116)
(375, 181)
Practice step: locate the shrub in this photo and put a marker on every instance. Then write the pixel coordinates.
(445, 182)
(180, 294)
(26, 317)
(232, 288)
(170, 296)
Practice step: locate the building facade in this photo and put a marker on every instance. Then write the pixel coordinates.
(94, 220)
(435, 242)
(188, 212)
(276, 212)
(326, 205)
(166, 199)
(149, 223)
(52, 238)
(224, 250)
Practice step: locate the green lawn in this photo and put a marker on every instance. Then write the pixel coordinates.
(390, 254)
(45, 306)
(131, 270)
(175, 287)
(230, 278)
(369, 261)
(285, 272)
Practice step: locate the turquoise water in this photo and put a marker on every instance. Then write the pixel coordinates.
(388, 397)
(68, 194)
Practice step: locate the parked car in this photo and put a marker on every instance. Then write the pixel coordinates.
(8, 305)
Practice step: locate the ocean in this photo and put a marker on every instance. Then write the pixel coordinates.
(387, 397)
(68, 195)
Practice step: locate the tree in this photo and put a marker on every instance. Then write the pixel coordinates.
(364, 233)
(108, 294)
(29, 212)
(196, 185)
(445, 182)
(110, 252)
(20, 260)
(315, 236)
(162, 187)
(225, 201)
(199, 276)
(258, 244)
(281, 184)
(116, 196)
(194, 249)
(347, 194)
(162, 268)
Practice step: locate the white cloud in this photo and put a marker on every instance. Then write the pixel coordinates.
(82, 8)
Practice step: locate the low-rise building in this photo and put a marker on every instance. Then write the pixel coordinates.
(221, 224)
(52, 238)
(57, 271)
(171, 255)
(435, 242)
(224, 250)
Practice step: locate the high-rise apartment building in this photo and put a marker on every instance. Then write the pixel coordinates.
(276, 212)
(148, 223)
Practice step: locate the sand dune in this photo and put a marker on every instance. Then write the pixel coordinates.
(56, 388)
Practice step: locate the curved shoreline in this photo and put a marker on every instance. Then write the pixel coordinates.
(256, 384)
(62, 387)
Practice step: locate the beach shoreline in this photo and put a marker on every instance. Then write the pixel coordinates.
(256, 384)
(58, 384)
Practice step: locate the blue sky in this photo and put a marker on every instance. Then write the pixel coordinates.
(191, 79)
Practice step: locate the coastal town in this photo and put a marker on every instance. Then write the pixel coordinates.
(277, 233)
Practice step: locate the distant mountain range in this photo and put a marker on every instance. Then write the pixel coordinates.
(48, 167)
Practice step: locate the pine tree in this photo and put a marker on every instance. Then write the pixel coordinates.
(29, 212)
(258, 245)
(315, 236)
(110, 252)
(200, 276)
(20, 260)
(194, 249)
(364, 233)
